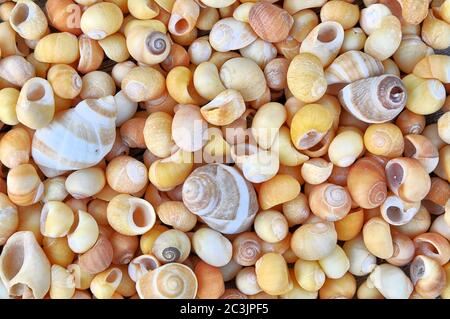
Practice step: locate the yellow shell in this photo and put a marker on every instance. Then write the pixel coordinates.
(207, 81)
(225, 108)
(148, 45)
(435, 66)
(101, 20)
(435, 32)
(158, 134)
(57, 48)
(183, 17)
(28, 20)
(230, 34)
(425, 96)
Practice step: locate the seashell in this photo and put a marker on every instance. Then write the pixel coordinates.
(58, 251)
(246, 281)
(36, 104)
(288, 154)
(434, 246)
(314, 241)
(187, 39)
(183, 17)
(437, 197)
(201, 189)
(362, 262)
(434, 66)
(391, 282)
(306, 78)
(346, 14)
(97, 84)
(398, 212)
(200, 50)
(207, 18)
(15, 147)
(126, 174)
(421, 148)
(181, 88)
(28, 20)
(293, 6)
(148, 45)
(172, 246)
(175, 214)
(225, 108)
(443, 168)
(189, 128)
(91, 54)
(352, 66)
(270, 22)
(410, 123)
(296, 211)
(230, 270)
(170, 281)
(212, 247)
(425, 96)
(105, 283)
(309, 275)
(388, 31)
(10, 43)
(207, 81)
(65, 81)
(218, 3)
(16, 70)
(8, 98)
(230, 34)
(342, 288)
(56, 219)
(275, 72)
(259, 51)
(62, 283)
(278, 190)
(420, 223)
(354, 40)
(95, 118)
(384, 139)
(98, 258)
(288, 48)
(427, 276)
(443, 127)
(411, 50)
(131, 133)
(245, 76)
(130, 215)
(435, 32)
(336, 264)
(64, 15)
(272, 274)
(407, 179)
(350, 226)
(324, 41)
(330, 202)
(391, 95)
(247, 248)
(309, 125)
(143, 10)
(115, 47)
(271, 226)
(142, 264)
(24, 268)
(304, 22)
(410, 12)
(9, 218)
(440, 226)
(124, 248)
(404, 250)
(242, 12)
(24, 185)
(84, 234)
(57, 48)
(210, 281)
(431, 132)
(377, 238)
(266, 123)
(217, 150)
(158, 134)
(86, 182)
(101, 20)
(341, 153)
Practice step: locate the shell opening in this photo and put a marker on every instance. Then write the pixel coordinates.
(409, 149)
(182, 26)
(21, 14)
(427, 248)
(396, 94)
(327, 34)
(148, 264)
(13, 260)
(113, 276)
(310, 139)
(394, 214)
(394, 174)
(171, 254)
(417, 270)
(140, 217)
(155, 43)
(36, 91)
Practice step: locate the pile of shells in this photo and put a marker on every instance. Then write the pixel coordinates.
(224, 149)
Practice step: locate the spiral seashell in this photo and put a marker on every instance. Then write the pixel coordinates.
(77, 138)
(391, 282)
(352, 66)
(170, 281)
(221, 197)
(397, 212)
(183, 17)
(330, 202)
(435, 66)
(24, 268)
(147, 45)
(230, 34)
(247, 248)
(224, 109)
(376, 99)
(172, 246)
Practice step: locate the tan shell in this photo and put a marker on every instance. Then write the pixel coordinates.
(221, 197)
(225, 108)
(230, 34)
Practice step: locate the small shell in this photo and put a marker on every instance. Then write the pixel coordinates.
(9, 218)
(230, 34)
(314, 241)
(358, 98)
(183, 17)
(398, 212)
(306, 79)
(143, 9)
(344, 13)
(124, 248)
(391, 282)
(410, 12)
(352, 66)
(175, 214)
(28, 20)
(288, 48)
(271, 226)
(189, 128)
(56, 219)
(36, 104)
(246, 281)
(330, 202)
(105, 283)
(15, 147)
(309, 125)
(444, 127)
(384, 139)
(24, 185)
(362, 262)
(200, 50)
(408, 179)
(387, 32)
(139, 266)
(130, 215)
(410, 123)
(84, 234)
(316, 171)
(64, 15)
(207, 81)
(101, 20)
(230, 270)
(270, 22)
(437, 197)
(242, 12)
(143, 83)
(342, 288)
(174, 281)
(16, 70)
(296, 211)
(126, 174)
(418, 225)
(435, 66)
(404, 250)
(62, 283)
(260, 51)
(434, 246)
(225, 108)
(428, 277)
(354, 40)
(275, 72)
(245, 76)
(377, 238)
(210, 281)
(8, 98)
(172, 246)
(411, 50)
(266, 123)
(435, 32)
(421, 148)
(293, 6)
(91, 54)
(212, 247)
(24, 266)
(58, 251)
(341, 153)
(147, 45)
(115, 47)
(288, 154)
(247, 249)
(324, 41)
(272, 274)
(425, 96)
(10, 42)
(98, 258)
(207, 18)
(86, 182)
(441, 226)
(65, 81)
(180, 86)
(336, 264)
(57, 48)
(309, 275)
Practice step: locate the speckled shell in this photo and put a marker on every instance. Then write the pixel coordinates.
(353, 66)
(77, 138)
(221, 197)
